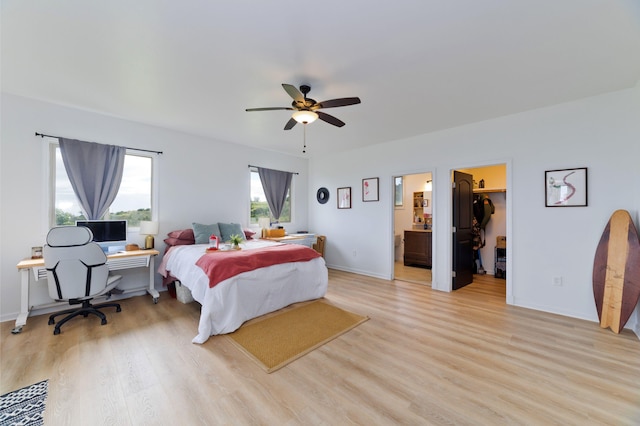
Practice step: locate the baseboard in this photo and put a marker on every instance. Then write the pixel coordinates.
(54, 307)
(635, 328)
(552, 310)
(359, 272)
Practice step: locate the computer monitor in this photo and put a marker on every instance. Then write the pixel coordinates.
(111, 235)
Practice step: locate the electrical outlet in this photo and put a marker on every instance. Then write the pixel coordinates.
(557, 281)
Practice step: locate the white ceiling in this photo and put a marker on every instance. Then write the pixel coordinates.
(418, 66)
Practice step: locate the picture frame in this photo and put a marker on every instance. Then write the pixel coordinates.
(36, 252)
(566, 187)
(370, 191)
(344, 197)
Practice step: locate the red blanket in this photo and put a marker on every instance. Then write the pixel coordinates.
(221, 265)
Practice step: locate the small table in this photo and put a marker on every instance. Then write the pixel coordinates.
(115, 261)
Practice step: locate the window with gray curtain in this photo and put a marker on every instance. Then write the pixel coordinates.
(276, 185)
(95, 173)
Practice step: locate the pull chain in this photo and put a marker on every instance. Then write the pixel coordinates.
(304, 149)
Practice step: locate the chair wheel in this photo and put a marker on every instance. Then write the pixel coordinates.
(56, 331)
(51, 321)
(104, 321)
(118, 309)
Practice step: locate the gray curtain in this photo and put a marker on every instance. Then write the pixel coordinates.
(276, 184)
(95, 173)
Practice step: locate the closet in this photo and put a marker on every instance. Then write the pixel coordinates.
(491, 181)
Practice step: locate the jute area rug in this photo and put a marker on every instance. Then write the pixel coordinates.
(24, 406)
(275, 340)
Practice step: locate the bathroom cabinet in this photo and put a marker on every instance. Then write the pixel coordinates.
(417, 248)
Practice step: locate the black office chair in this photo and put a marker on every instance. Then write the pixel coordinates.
(77, 272)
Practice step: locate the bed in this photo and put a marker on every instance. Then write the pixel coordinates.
(232, 295)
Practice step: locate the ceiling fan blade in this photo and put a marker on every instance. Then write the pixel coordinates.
(293, 92)
(269, 109)
(330, 119)
(290, 124)
(332, 103)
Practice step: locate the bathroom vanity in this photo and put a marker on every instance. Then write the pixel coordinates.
(417, 248)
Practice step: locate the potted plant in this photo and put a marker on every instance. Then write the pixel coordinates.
(235, 241)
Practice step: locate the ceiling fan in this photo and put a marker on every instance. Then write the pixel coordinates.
(306, 109)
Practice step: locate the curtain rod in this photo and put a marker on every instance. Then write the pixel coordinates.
(295, 173)
(135, 149)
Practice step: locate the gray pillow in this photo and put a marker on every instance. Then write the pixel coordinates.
(229, 229)
(203, 232)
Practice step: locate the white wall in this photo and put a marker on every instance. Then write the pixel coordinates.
(600, 133)
(200, 180)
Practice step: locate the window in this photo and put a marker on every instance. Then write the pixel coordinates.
(259, 205)
(133, 202)
(399, 191)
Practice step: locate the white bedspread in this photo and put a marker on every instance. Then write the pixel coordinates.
(248, 295)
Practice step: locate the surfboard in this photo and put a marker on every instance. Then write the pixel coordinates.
(616, 272)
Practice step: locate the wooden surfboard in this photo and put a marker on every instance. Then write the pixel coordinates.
(616, 272)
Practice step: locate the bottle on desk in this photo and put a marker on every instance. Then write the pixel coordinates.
(213, 242)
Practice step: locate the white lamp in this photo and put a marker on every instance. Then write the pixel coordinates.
(304, 117)
(148, 228)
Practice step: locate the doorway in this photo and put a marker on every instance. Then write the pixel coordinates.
(412, 224)
(490, 259)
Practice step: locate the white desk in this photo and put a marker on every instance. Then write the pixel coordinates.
(115, 261)
(302, 239)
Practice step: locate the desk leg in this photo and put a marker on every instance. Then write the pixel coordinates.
(21, 321)
(152, 288)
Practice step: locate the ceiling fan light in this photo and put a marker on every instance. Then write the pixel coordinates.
(305, 117)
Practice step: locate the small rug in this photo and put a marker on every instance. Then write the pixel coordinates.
(276, 340)
(24, 406)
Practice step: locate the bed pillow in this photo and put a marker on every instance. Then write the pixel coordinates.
(229, 229)
(177, 242)
(203, 232)
(183, 234)
(248, 234)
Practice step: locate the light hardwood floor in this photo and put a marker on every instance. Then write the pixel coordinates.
(424, 357)
(412, 274)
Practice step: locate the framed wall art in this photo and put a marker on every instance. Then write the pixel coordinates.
(344, 198)
(566, 187)
(322, 195)
(370, 189)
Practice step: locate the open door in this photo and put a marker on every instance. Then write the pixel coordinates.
(462, 227)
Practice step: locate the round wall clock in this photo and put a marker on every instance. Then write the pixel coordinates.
(323, 195)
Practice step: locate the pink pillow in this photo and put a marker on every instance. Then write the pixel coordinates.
(248, 233)
(183, 234)
(178, 242)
